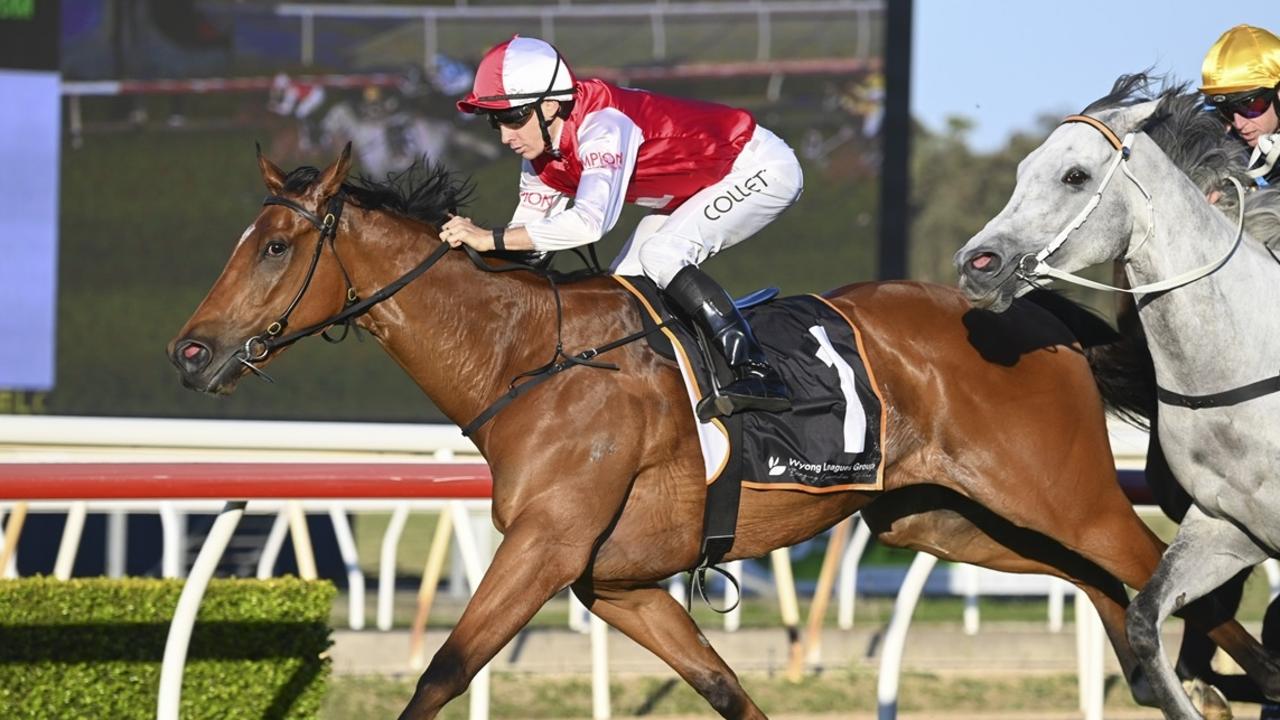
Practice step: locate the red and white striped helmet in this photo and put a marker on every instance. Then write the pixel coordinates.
(517, 72)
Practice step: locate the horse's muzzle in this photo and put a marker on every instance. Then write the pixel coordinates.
(194, 359)
(191, 356)
(984, 275)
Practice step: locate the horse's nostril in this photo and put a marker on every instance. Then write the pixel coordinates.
(192, 355)
(985, 262)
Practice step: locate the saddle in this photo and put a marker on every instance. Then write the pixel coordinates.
(830, 440)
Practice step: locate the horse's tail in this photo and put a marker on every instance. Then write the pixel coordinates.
(1120, 360)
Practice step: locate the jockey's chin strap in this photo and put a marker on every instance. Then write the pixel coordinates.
(1268, 152)
(536, 98)
(1036, 266)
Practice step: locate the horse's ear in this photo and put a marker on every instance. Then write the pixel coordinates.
(272, 176)
(334, 175)
(1144, 113)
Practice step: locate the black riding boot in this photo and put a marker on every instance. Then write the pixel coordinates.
(756, 385)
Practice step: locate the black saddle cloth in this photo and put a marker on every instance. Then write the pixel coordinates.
(832, 437)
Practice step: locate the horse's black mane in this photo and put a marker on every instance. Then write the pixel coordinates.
(425, 191)
(429, 192)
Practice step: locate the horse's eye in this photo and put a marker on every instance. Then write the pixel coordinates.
(1075, 176)
(275, 248)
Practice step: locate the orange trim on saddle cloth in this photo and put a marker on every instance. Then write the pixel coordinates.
(684, 361)
(875, 388)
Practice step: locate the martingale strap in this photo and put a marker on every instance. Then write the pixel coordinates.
(555, 366)
(545, 373)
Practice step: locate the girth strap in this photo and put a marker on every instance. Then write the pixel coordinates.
(1226, 398)
(720, 520)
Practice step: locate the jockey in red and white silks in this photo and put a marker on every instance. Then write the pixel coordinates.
(712, 176)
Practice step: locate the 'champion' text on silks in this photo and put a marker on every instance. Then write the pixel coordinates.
(607, 160)
(537, 200)
(722, 204)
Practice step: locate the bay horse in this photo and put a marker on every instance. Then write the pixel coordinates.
(1103, 186)
(996, 452)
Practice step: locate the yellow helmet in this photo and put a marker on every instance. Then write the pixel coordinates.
(1244, 58)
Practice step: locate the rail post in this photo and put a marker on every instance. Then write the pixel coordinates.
(184, 617)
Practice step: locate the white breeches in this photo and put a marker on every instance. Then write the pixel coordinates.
(764, 180)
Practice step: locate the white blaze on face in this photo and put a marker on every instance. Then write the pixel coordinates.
(244, 236)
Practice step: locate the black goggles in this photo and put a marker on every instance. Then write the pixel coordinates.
(1247, 106)
(511, 118)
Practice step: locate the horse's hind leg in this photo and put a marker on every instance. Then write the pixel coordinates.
(938, 520)
(933, 519)
(1122, 545)
(1118, 541)
(651, 617)
(1098, 523)
(1206, 553)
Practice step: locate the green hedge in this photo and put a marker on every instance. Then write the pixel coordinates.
(91, 648)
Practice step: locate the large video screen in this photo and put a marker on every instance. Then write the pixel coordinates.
(29, 144)
(164, 101)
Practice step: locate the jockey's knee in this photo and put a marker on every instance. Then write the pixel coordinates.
(661, 258)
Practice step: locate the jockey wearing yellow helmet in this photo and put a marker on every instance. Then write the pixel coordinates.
(1241, 75)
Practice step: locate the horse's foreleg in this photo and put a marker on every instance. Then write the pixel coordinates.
(651, 617)
(1205, 554)
(531, 565)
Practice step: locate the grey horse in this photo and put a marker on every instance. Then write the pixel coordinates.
(1102, 188)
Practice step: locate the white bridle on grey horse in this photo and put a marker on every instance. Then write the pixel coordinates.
(1219, 328)
(1123, 150)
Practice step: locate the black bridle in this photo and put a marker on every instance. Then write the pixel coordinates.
(258, 347)
(537, 98)
(328, 227)
(274, 338)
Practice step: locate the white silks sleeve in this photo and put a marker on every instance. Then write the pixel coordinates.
(537, 199)
(608, 142)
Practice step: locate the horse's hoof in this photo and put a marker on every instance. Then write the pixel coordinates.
(1208, 699)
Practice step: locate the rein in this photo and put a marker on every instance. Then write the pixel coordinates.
(1032, 267)
(258, 347)
(1225, 398)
